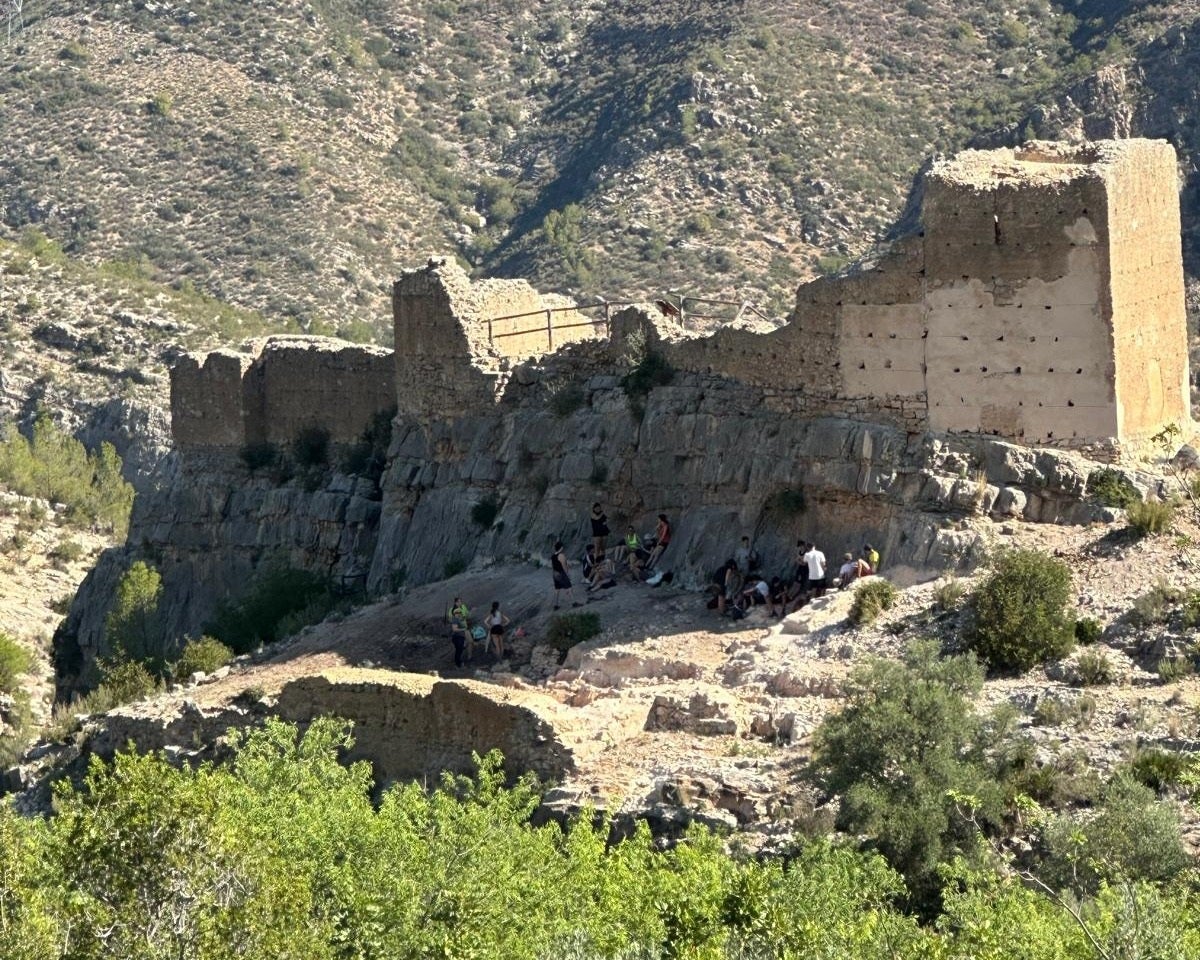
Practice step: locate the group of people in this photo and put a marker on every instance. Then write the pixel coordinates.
(739, 584)
(602, 566)
(466, 638)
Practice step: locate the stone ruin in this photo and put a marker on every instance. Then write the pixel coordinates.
(979, 368)
(1042, 304)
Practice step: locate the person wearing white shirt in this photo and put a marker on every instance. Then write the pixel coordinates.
(815, 560)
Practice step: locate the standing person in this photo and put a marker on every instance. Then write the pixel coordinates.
(743, 556)
(871, 555)
(599, 530)
(800, 582)
(458, 630)
(559, 564)
(662, 539)
(496, 622)
(815, 560)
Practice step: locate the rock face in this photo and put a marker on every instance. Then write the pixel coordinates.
(827, 429)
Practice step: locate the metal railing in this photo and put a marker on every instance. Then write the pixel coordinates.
(678, 308)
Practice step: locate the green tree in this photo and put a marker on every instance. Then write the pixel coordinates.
(1020, 614)
(908, 739)
(134, 628)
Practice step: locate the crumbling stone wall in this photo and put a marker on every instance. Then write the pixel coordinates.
(278, 388)
(455, 338)
(412, 726)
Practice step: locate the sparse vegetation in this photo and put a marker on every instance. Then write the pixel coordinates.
(1087, 631)
(1112, 488)
(568, 629)
(1155, 605)
(652, 370)
(788, 502)
(948, 594)
(259, 455)
(311, 447)
(1151, 517)
(567, 399)
(871, 597)
(204, 656)
(14, 661)
(1095, 669)
(1020, 614)
(280, 601)
(56, 467)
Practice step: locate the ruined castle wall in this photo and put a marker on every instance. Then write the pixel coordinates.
(854, 346)
(283, 385)
(1019, 342)
(206, 399)
(1146, 278)
(317, 382)
(413, 726)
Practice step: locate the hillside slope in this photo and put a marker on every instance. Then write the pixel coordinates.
(287, 156)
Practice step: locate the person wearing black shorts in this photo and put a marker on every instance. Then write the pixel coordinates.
(559, 565)
(496, 622)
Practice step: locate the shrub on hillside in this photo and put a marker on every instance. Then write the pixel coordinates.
(202, 656)
(565, 631)
(871, 598)
(14, 661)
(948, 594)
(269, 605)
(567, 399)
(1095, 669)
(1019, 614)
(1111, 488)
(1155, 605)
(1130, 837)
(134, 629)
(257, 456)
(1087, 631)
(484, 513)
(1151, 516)
(652, 370)
(126, 681)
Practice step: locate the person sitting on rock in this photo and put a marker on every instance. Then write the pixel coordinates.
(871, 556)
(596, 571)
(662, 539)
(635, 554)
(756, 592)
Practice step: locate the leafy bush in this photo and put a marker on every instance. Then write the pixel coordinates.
(202, 656)
(653, 370)
(1019, 614)
(1052, 711)
(66, 551)
(257, 456)
(788, 502)
(261, 614)
(1151, 516)
(311, 447)
(14, 661)
(1130, 837)
(566, 400)
(453, 567)
(368, 456)
(1111, 488)
(1159, 769)
(484, 513)
(126, 681)
(1095, 669)
(871, 598)
(565, 631)
(1087, 631)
